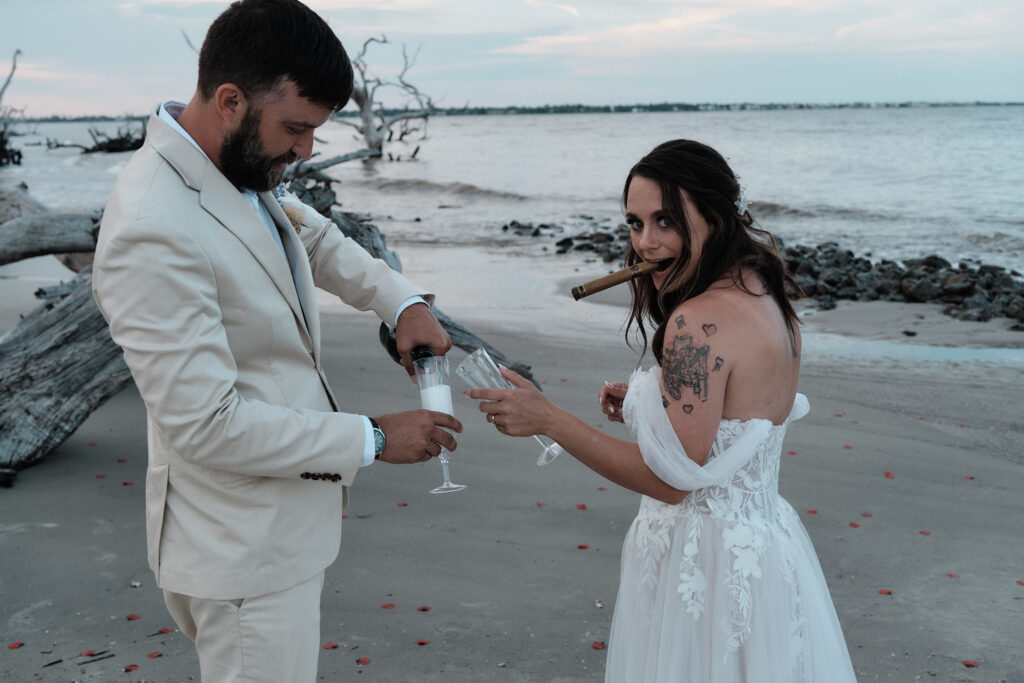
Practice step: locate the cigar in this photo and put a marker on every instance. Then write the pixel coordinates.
(612, 279)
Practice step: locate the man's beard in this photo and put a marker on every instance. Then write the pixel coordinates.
(243, 160)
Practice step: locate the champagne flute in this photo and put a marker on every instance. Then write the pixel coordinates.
(436, 395)
(480, 372)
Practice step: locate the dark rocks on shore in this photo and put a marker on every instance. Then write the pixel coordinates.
(978, 292)
(828, 273)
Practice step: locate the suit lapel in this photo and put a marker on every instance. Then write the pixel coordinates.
(297, 255)
(225, 203)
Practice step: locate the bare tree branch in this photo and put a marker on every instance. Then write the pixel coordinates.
(14, 65)
(376, 125)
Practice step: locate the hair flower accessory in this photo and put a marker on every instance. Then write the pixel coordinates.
(741, 204)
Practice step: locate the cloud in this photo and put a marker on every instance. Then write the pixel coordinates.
(565, 8)
(944, 28)
(39, 71)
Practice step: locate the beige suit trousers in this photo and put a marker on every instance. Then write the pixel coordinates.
(273, 638)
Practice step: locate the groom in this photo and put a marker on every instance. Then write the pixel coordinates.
(209, 290)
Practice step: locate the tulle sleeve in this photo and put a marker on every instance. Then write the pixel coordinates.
(660, 446)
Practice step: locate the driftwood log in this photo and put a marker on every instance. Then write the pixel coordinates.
(59, 363)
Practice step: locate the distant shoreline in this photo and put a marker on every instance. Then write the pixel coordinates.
(605, 109)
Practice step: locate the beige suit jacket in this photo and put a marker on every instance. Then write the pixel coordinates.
(249, 458)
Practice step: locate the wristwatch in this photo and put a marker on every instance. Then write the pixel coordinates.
(378, 439)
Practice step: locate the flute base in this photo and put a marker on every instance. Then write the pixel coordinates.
(448, 488)
(550, 453)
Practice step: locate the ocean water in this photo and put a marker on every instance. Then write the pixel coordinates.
(889, 183)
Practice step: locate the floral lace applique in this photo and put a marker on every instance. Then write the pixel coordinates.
(692, 582)
(746, 505)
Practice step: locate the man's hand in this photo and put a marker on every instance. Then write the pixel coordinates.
(416, 435)
(417, 326)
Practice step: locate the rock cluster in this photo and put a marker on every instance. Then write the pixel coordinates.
(970, 292)
(828, 273)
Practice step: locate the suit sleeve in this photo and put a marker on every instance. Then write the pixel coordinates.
(158, 291)
(344, 268)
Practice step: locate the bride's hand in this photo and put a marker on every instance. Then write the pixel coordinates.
(610, 397)
(523, 411)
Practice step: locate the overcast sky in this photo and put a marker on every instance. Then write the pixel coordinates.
(122, 56)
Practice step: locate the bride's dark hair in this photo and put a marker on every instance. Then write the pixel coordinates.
(734, 242)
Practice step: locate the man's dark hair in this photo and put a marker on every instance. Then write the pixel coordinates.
(256, 43)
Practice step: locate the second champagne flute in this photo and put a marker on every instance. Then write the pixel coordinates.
(479, 371)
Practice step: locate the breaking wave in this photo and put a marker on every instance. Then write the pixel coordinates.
(446, 189)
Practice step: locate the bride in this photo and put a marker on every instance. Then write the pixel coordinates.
(720, 582)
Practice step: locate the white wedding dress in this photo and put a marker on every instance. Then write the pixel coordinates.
(724, 587)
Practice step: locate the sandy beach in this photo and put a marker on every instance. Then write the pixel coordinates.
(907, 474)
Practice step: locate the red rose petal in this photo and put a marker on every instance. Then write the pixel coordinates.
(926, 533)
(127, 483)
(91, 444)
(970, 664)
(838, 415)
(565, 379)
(87, 653)
(890, 475)
(854, 422)
(132, 617)
(597, 645)
(601, 488)
(423, 608)
(16, 644)
(792, 452)
(953, 575)
(581, 506)
(388, 606)
(363, 661)
(885, 591)
(122, 460)
(968, 477)
(848, 447)
(866, 514)
(166, 630)
(154, 655)
(101, 476)
(344, 516)
(962, 424)
(402, 505)
(583, 546)
(855, 525)
(330, 646)
(542, 505)
(1020, 583)
(131, 667)
(812, 512)
(423, 641)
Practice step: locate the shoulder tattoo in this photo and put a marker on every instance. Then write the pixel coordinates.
(686, 365)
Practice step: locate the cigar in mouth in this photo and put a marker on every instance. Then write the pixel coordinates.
(618, 277)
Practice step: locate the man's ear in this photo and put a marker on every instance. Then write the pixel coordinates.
(231, 104)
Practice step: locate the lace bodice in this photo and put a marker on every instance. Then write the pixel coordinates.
(736, 491)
